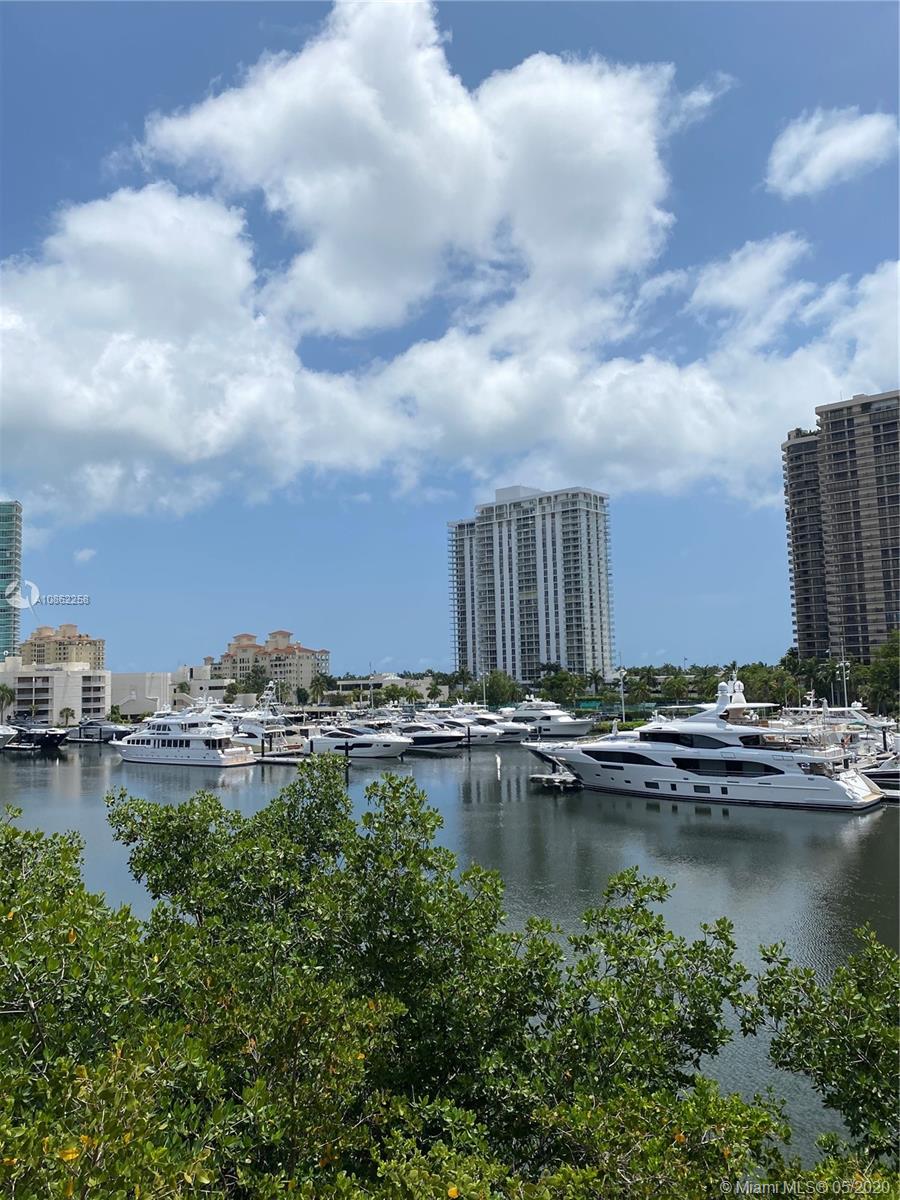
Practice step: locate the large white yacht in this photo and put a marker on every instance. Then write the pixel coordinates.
(358, 741)
(545, 718)
(186, 739)
(713, 756)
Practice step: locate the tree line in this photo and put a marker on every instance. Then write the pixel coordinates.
(789, 682)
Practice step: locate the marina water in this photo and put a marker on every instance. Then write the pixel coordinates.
(805, 878)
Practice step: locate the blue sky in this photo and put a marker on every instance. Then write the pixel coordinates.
(288, 287)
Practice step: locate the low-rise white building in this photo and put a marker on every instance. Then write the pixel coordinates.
(59, 693)
(202, 683)
(136, 693)
(374, 684)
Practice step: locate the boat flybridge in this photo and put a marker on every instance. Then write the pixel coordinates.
(264, 728)
(724, 754)
(187, 739)
(545, 718)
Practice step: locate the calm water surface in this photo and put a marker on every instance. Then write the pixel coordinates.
(805, 878)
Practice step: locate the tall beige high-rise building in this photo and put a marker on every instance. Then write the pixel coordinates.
(530, 583)
(47, 646)
(842, 499)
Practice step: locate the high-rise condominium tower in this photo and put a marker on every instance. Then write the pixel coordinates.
(842, 497)
(10, 573)
(530, 583)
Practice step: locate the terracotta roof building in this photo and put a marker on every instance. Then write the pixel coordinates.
(283, 661)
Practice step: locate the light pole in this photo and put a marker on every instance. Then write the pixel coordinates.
(844, 666)
(621, 675)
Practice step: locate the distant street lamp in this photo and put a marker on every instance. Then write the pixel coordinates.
(621, 675)
(843, 666)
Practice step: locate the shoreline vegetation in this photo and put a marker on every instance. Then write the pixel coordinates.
(643, 687)
(325, 1008)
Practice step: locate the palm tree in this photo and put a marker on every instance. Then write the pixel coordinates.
(7, 697)
(595, 679)
(434, 692)
(462, 678)
(317, 688)
(66, 716)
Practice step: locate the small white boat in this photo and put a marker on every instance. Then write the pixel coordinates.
(187, 740)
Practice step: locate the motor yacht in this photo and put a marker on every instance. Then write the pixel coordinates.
(358, 741)
(506, 731)
(473, 734)
(718, 756)
(97, 730)
(265, 728)
(45, 737)
(884, 771)
(429, 738)
(184, 739)
(545, 718)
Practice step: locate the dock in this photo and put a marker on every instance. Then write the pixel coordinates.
(556, 781)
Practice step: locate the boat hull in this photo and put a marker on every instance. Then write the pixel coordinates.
(850, 792)
(373, 749)
(194, 758)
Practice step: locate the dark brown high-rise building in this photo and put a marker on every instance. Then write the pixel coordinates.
(842, 497)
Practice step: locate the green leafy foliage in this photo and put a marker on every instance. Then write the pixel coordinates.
(842, 1036)
(562, 686)
(323, 1008)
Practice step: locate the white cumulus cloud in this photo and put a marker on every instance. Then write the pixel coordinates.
(169, 369)
(829, 146)
(85, 555)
